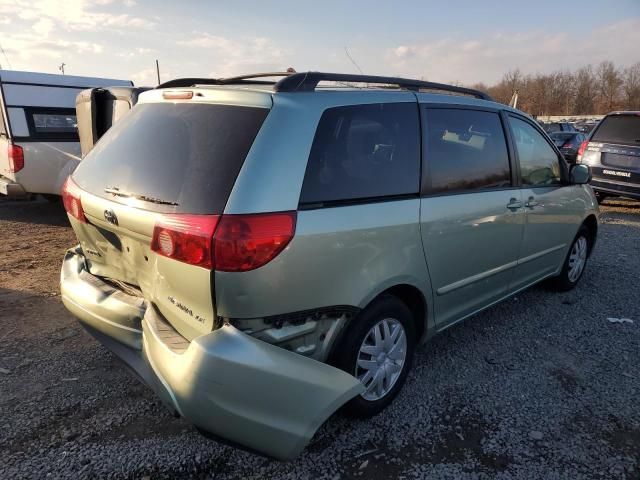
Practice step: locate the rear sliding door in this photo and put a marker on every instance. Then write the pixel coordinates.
(471, 214)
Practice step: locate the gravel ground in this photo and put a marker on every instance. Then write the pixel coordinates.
(541, 386)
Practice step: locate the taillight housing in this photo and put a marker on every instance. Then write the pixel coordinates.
(71, 200)
(227, 243)
(16, 158)
(247, 242)
(186, 238)
(583, 147)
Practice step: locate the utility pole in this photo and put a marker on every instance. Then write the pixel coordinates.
(158, 70)
(61, 67)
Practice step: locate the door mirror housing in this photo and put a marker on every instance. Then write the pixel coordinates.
(580, 174)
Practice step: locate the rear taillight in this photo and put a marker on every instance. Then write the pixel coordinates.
(228, 243)
(583, 147)
(187, 238)
(16, 158)
(246, 242)
(567, 145)
(71, 200)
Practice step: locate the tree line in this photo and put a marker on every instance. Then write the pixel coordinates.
(590, 90)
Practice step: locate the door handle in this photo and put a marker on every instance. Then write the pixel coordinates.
(514, 204)
(531, 203)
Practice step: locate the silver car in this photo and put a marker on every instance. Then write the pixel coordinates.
(263, 253)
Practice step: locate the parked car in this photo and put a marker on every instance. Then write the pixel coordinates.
(585, 127)
(262, 254)
(613, 154)
(568, 143)
(559, 127)
(39, 144)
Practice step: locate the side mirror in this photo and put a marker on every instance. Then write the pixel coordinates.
(580, 174)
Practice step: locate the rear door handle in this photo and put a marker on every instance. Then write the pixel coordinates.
(514, 204)
(531, 203)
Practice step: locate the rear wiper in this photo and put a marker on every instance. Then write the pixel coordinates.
(145, 198)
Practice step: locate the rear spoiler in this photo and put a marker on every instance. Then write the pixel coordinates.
(97, 109)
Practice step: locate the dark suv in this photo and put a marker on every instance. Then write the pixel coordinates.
(613, 153)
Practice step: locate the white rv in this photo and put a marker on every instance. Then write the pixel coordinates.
(39, 145)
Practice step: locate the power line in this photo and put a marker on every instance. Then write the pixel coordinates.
(346, 50)
(5, 57)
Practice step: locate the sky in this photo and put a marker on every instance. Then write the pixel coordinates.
(465, 41)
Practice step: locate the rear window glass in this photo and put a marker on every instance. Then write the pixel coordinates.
(184, 154)
(465, 150)
(619, 129)
(563, 136)
(362, 152)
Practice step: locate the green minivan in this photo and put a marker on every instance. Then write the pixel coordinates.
(263, 252)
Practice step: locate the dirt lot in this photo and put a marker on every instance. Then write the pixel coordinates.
(541, 386)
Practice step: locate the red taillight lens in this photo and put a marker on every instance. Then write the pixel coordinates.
(187, 238)
(228, 243)
(71, 199)
(16, 158)
(246, 242)
(567, 145)
(583, 147)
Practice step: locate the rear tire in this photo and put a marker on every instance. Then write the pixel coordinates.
(377, 348)
(575, 263)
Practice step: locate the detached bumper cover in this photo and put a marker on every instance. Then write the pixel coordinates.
(227, 383)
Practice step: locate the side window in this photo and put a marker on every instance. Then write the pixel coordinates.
(364, 151)
(52, 123)
(465, 150)
(539, 163)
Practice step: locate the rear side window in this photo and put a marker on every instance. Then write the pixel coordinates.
(623, 129)
(539, 163)
(362, 152)
(464, 150)
(185, 156)
(53, 124)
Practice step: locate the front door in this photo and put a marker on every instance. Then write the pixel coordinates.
(550, 218)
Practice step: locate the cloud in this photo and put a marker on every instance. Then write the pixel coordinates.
(27, 46)
(235, 56)
(486, 59)
(73, 15)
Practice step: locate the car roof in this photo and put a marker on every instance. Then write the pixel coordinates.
(357, 87)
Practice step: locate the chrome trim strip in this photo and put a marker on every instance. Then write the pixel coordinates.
(502, 268)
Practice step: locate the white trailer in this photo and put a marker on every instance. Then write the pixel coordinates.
(39, 145)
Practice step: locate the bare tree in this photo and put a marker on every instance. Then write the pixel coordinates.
(631, 86)
(609, 83)
(585, 88)
(587, 91)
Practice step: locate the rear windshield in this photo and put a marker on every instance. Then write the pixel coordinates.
(185, 156)
(562, 136)
(618, 129)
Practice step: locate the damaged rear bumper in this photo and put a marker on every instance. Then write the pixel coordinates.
(226, 383)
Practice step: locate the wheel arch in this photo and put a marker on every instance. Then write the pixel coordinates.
(411, 296)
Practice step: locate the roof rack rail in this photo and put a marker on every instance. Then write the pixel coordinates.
(240, 80)
(308, 81)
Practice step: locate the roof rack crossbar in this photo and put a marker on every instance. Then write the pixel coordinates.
(240, 80)
(308, 81)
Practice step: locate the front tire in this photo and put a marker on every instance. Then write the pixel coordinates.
(377, 349)
(600, 197)
(575, 263)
